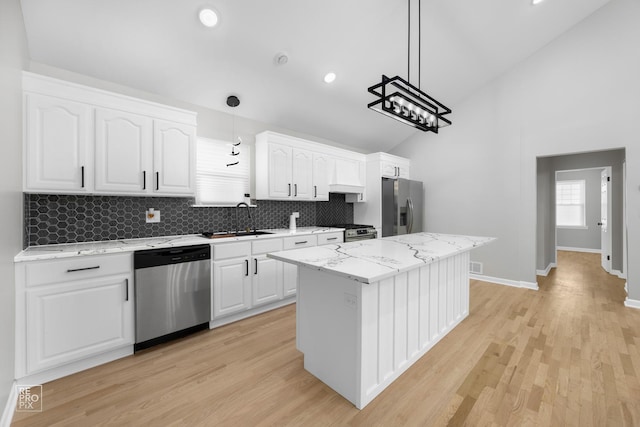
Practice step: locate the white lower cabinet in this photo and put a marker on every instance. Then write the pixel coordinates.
(243, 276)
(231, 286)
(267, 272)
(290, 270)
(290, 279)
(267, 280)
(72, 309)
(75, 320)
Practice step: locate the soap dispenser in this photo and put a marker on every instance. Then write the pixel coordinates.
(292, 220)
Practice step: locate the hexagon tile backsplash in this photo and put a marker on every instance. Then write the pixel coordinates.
(69, 219)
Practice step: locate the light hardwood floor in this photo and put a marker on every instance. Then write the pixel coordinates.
(568, 354)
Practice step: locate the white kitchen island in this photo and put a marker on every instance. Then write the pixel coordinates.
(367, 310)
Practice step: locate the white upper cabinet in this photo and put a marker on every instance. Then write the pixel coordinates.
(174, 158)
(123, 153)
(83, 140)
(320, 177)
(58, 142)
(302, 163)
(279, 171)
(394, 167)
(289, 168)
(379, 165)
(283, 172)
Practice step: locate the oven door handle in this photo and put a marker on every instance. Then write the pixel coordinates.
(360, 237)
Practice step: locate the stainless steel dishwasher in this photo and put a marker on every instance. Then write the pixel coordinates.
(172, 293)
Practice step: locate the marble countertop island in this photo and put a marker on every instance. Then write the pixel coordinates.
(369, 261)
(367, 310)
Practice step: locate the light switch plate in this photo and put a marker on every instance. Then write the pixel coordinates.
(152, 215)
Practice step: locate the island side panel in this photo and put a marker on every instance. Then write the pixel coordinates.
(328, 329)
(405, 316)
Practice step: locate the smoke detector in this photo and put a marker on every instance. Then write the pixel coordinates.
(281, 58)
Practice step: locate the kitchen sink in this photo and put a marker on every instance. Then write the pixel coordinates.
(222, 234)
(251, 233)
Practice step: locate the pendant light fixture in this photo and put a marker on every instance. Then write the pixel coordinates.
(233, 101)
(401, 100)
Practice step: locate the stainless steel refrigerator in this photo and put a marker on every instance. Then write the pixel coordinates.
(401, 206)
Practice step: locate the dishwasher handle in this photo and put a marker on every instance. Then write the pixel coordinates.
(167, 256)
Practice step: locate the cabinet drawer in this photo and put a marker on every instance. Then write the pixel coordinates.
(299, 242)
(231, 250)
(82, 267)
(267, 245)
(330, 238)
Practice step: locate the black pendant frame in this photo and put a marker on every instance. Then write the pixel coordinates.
(391, 90)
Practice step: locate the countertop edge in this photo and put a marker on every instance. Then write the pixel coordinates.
(376, 278)
(71, 250)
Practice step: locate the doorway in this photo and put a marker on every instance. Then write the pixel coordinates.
(583, 210)
(602, 231)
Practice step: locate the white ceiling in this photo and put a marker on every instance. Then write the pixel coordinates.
(159, 46)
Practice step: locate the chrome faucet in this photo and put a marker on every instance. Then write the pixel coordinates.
(239, 205)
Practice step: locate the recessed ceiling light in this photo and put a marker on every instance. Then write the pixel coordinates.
(329, 77)
(208, 17)
(534, 2)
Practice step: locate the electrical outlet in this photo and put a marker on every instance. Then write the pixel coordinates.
(152, 215)
(350, 301)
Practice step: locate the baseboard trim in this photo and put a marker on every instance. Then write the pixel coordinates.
(619, 273)
(54, 373)
(506, 282)
(632, 303)
(10, 407)
(250, 313)
(587, 250)
(546, 271)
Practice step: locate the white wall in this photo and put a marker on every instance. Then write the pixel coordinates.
(589, 237)
(580, 93)
(13, 54)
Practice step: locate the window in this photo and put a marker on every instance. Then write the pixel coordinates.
(570, 204)
(217, 183)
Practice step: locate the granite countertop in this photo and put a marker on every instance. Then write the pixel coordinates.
(66, 250)
(369, 261)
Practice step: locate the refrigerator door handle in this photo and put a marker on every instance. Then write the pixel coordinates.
(410, 214)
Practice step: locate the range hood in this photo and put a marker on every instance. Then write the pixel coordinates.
(346, 188)
(346, 178)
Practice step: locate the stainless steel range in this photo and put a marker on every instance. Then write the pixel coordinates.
(355, 232)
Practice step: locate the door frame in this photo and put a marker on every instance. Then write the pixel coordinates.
(606, 264)
(555, 228)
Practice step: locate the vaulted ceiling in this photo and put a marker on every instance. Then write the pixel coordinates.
(160, 46)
